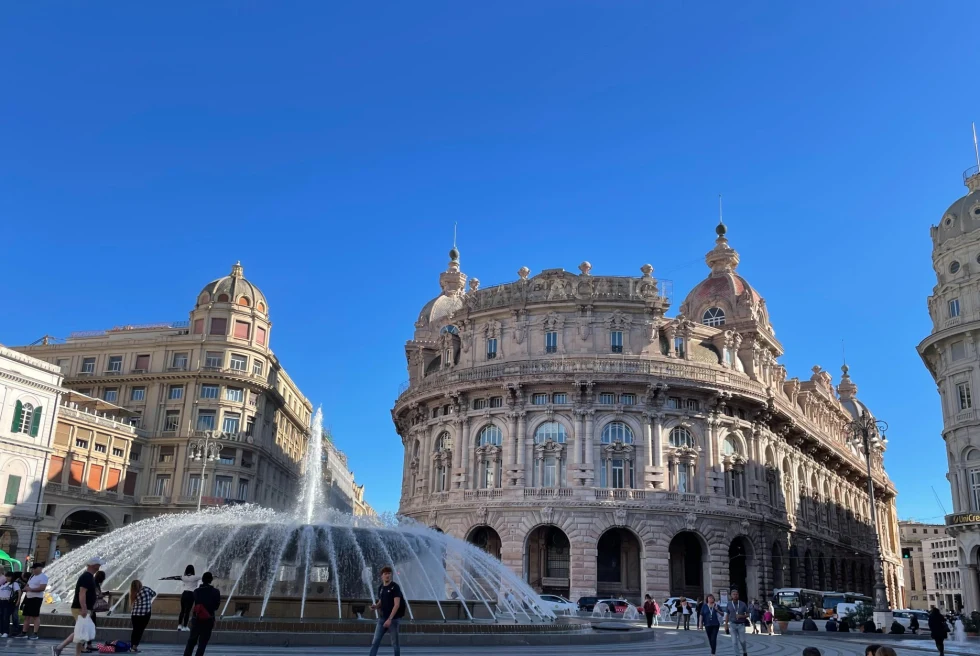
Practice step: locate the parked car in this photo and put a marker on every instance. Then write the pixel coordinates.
(587, 603)
(557, 604)
(904, 617)
(615, 605)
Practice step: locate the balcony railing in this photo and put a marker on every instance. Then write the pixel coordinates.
(548, 492)
(492, 493)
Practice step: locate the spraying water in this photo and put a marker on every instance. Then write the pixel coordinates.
(312, 492)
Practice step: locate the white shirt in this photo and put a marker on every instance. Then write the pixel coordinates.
(9, 591)
(34, 582)
(190, 582)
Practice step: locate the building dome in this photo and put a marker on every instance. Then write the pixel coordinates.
(438, 309)
(963, 216)
(234, 288)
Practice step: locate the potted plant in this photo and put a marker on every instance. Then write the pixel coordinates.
(783, 616)
(860, 615)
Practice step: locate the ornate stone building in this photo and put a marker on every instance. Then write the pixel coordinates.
(950, 353)
(565, 424)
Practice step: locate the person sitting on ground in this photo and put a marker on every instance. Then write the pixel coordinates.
(869, 627)
(914, 624)
(897, 628)
(844, 626)
(809, 625)
(832, 625)
(871, 650)
(811, 651)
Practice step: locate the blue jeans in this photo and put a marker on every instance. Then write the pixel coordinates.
(7, 609)
(379, 633)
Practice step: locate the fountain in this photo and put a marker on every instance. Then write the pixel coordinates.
(307, 564)
(631, 613)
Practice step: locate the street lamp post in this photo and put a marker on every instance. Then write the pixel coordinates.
(867, 434)
(202, 451)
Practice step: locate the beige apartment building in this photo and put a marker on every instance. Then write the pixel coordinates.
(565, 424)
(943, 584)
(215, 416)
(917, 560)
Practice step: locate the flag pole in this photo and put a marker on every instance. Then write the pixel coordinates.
(976, 150)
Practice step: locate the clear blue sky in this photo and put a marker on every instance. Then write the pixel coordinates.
(146, 147)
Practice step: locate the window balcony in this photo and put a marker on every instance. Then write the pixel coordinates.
(617, 349)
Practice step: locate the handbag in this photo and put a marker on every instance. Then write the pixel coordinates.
(101, 606)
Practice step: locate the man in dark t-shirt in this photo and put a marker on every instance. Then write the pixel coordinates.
(392, 605)
(83, 602)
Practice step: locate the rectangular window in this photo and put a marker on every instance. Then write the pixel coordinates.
(603, 479)
(227, 457)
(692, 404)
(954, 308)
(550, 472)
(80, 443)
(242, 329)
(198, 326)
(117, 452)
(627, 399)
(243, 489)
(496, 402)
(209, 391)
(167, 453)
(674, 403)
(222, 487)
(260, 335)
(180, 361)
(607, 399)
(101, 448)
(250, 426)
(193, 485)
(219, 326)
(963, 394)
(491, 348)
(618, 473)
(205, 420)
(12, 494)
(539, 399)
(95, 477)
(137, 394)
(957, 350)
(231, 422)
(162, 487)
(234, 394)
(683, 481)
(616, 339)
(63, 364)
(129, 486)
(679, 347)
(213, 359)
(256, 367)
(175, 393)
(489, 474)
(88, 365)
(559, 398)
(239, 362)
(115, 363)
(479, 404)
(171, 421)
(551, 341)
(111, 394)
(142, 363)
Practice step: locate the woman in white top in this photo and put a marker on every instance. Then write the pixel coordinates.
(189, 581)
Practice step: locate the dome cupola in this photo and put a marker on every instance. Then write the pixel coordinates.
(235, 289)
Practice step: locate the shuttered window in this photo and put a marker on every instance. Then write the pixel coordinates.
(95, 477)
(112, 483)
(77, 469)
(198, 326)
(129, 487)
(241, 329)
(219, 326)
(260, 335)
(13, 490)
(55, 468)
(143, 362)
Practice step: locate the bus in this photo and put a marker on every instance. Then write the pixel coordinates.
(797, 600)
(832, 599)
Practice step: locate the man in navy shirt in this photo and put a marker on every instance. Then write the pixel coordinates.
(392, 606)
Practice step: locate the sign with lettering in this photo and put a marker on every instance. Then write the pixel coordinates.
(958, 519)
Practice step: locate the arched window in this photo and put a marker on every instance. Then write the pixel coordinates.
(261, 306)
(713, 317)
(27, 419)
(444, 442)
(490, 435)
(550, 430)
(680, 436)
(244, 302)
(729, 448)
(223, 298)
(617, 431)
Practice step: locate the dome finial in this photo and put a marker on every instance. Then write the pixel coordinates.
(722, 258)
(237, 271)
(720, 229)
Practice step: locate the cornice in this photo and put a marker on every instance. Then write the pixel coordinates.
(30, 382)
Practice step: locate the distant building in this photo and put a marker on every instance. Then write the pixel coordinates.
(943, 583)
(361, 507)
(338, 479)
(917, 556)
(30, 391)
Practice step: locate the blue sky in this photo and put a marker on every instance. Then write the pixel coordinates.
(144, 148)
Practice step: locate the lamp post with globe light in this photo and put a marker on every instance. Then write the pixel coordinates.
(202, 451)
(867, 434)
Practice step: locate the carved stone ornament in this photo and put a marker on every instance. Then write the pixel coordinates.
(433, 519)
(619, 516)
(585, 268)
(690, 519)
(523, 273)
(474, 284)
(492, 329)
(483, 513)
(547, 514)
(744, 524)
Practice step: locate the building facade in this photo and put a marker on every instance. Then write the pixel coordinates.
(943, 582)
(950, 353)
(565, 424)
(213, 417)
(915, 559)
(30, 391)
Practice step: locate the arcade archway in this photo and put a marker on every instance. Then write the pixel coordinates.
(548, 560)
(83, 526)
(487, 539)
(687, 565)
(618, 564)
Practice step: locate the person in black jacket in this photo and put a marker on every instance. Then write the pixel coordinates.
(938, 628)
(206, 601)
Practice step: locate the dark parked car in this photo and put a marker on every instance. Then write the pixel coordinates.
(615, 605)
(587, 603)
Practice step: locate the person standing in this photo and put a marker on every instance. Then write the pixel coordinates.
(649, 610)
(697, 611)
(736, 617)
(82, 603)
(710, 619)
(392, 606)
(9, 596)
(938, 628)
(189, 582)
(203, 612)
(755, 616)
(141, 598)
(32, 601)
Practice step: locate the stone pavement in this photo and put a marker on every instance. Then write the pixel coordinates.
(669, 641)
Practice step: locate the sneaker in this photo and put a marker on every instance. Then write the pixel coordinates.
(21, 636)
(180, 627)
(33, 636)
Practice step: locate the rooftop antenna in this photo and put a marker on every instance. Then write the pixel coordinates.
(843, 354)
(454, 234)
(976, 150)
(720, 220)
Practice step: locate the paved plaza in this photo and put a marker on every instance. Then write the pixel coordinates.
(668, 641)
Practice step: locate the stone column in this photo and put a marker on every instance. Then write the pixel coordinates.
(589, 467)
(521, 448)
(654, 471)
(425, 455)
(709, 454)
(52, 545)
(464, 455)
(512, 447)
(577, 437)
